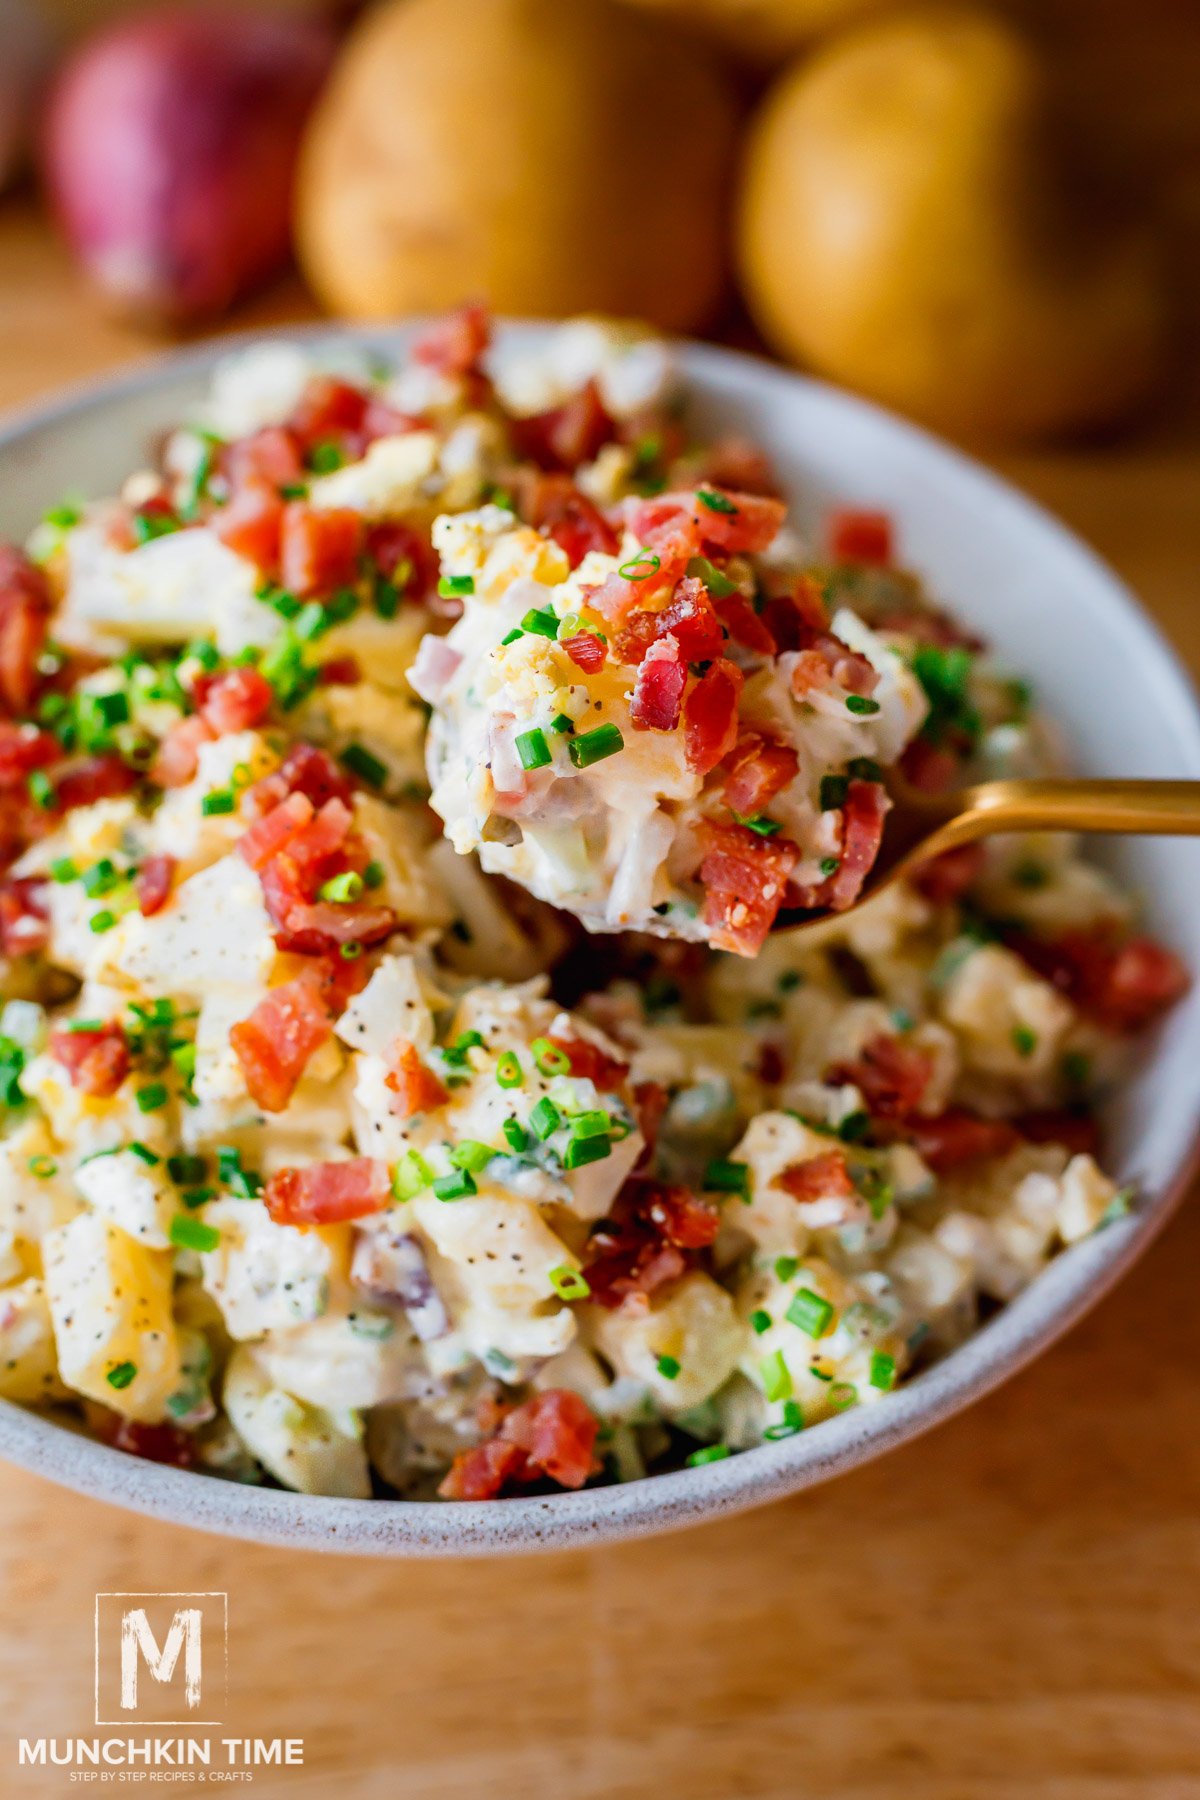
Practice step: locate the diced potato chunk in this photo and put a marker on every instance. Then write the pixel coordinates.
(110, 1300)
(28, 1363)
(312, 1451)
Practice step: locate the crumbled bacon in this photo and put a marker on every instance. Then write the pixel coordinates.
(651, 1100)
(455, 343)
(320, 547)
(551, 1436)
(556, 508)
(958, 1137)
(657, 700)
(744, 877)
(1122, 986)
(24, 921)
(1074, 1127)
(330, 411)
(586, 651)
(304, 770)
(947, 877)
(745, 626)
(710, 716)
(758, 770)
(416, 1087)
(735, 462)
(858, 536)
(25, 607)
(276, 1043)
(567, 435)
(863, 814)
(930, 768)
(236, 701)
(824, 1177)
(590, 1063)
(826, 661)
(178, 755)
(270, 457)
(691, 617)
(328, 1193)
(404, 556)
(251, 522)
(23, 748)
(96, 1061)
(891, 1073)
(750, 524)
(153, 884)
(651, 1240)
(90, 778)
(161, 1443)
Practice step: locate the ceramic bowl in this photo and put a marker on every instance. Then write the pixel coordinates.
(1099, 664)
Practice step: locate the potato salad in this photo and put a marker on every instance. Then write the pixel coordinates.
(334, 1152)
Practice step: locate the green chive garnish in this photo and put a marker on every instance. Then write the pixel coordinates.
(456, 1186)
(568, 1283)
(188, 1233)
(342, 890)
(368, 768)
(533, 749)
(810, 1312)
(861, 704)
(545, 1118)
(121, 1375)
(508, 1071)
(593, 746)
(668, 1367)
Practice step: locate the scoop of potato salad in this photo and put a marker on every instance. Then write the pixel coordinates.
(333, 1152)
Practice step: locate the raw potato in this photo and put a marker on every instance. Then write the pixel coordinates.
(904, 228)
(550, 158)
(763, 32)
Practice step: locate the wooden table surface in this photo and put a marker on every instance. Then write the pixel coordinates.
(1008, 1609)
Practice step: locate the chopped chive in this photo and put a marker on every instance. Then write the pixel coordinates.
(220, 801)
(830, 865)
(560, 722)
(144, 1154)
(62, 869)
(324, 458)
(1030, 875)
(374, 875)
(121, 1375)
(342, 890)
(776, 1376)
(581, 1151)
(151, 1098)
(411, 1176)
(1076, 1067)
(360, 762)
(883, 1371)
(549, 1058)
(541, 622)
(843, 1394)
(863, 768)
(760, 1321)
(833, 792)
(718, 585)
(193, 1234)
(43, 1167)
(757, 822)
(568, 1283)
(471, 1154)
(1025, 1041)
(723, 1177)
(810, 1312)
(456, 1186)
(511, 637)
(861, 704)
(454, 587)
(711, 1453)
(640, 567)
(186, 1169)
(508, 1071)
(101, 878)
(668, 1367)
(351, 951)
(791, 1423)
(515, 1134)
(101, 922)
(715, 502)
(593, 746)
(545, 1118)
(194, 1197)
(533, 749)
(591, 1124)
(785, 1267)
(42, 790)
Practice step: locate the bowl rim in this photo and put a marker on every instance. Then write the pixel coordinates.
(1067, 1288)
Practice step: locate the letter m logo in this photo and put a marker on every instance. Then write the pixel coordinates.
(160, 1658)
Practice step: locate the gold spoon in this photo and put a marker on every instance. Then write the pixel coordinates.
(920, 826)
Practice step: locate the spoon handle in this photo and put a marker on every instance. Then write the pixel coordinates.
(1153, 808)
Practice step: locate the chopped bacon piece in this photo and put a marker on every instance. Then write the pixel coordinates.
(826, 662)
(635, 637)
(330, 411)
(947, 877)
(630, 1263)
(153, 885)
(677, 1215)
(651, 1241)
(758, 770)
(24, 921)
(958, 1137)
(267, 458)
(857, 536)
(96, 1061)
(90, 778)
(1073, 1127)
(590, 1063)
(416, 1087)
(744, 625)
(321, 838)
(250, 524)
(404, 556)
(750, 523)
(567, 435)
(586, 651)
(657, 701)
(1123, 987)
(930, 768)
(691, 617)
(328, 1193)
(744, 877)
(863, 815)
(796, 618)
(275, 1044)
(651, 1100)
(710, 716)
(25, 607)
(455, 343)
(23, 748)
(340, 671)
(304, 770)
(552, 1435)
(891, 1073)
(556, 508)
(735, 462)
(237, 700)
(178, 755)
(320, 547)
(162, 1443)
(314, 928)
(824, 1177)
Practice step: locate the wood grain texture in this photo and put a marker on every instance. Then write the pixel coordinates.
(1007, 1609)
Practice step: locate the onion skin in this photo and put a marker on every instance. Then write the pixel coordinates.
(169, 152)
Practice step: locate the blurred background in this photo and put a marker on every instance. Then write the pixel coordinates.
(986, 215)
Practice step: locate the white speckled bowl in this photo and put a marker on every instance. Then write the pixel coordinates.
(1101, 667)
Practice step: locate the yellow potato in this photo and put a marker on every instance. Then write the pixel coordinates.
(548, 157)
(764, 32)
(906, 228)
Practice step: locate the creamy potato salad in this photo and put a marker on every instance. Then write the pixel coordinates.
(333, 1152)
